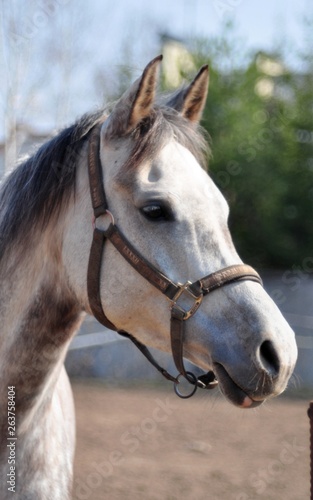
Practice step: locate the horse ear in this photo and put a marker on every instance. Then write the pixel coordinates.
(191, 100)
(136, 103)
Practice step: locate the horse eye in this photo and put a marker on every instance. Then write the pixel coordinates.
(156, 212)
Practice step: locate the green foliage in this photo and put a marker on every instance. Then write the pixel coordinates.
(259, 116)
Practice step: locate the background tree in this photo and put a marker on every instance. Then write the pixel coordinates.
(39, 54)
(259, 116)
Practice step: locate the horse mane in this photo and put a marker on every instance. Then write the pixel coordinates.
(39, 187)
(42, 185)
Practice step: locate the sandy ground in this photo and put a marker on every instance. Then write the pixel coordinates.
(145, 443)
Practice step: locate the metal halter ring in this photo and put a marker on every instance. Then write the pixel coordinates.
(193, 380)
(107, 212)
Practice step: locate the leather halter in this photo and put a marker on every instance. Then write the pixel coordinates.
(173, 291)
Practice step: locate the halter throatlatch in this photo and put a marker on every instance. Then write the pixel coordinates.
(173, 291)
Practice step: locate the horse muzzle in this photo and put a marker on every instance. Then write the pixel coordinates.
(264, 377)
(233, 392)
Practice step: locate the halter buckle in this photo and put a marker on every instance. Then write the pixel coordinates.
(197, 299)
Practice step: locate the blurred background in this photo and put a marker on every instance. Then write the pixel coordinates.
(61, 58)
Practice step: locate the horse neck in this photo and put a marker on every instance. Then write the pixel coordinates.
(38, 316)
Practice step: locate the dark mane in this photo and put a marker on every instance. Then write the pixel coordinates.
(41, 186)
(37, 189)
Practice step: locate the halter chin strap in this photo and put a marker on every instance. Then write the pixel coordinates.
(194, 292)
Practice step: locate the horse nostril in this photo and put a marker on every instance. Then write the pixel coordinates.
(269, 358)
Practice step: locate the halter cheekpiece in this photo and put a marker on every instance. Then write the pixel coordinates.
(173, 291)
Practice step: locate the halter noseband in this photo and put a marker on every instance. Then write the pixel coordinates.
(173, 291)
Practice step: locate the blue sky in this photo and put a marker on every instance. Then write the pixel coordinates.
(103, 35)
(126, 31)
(260, 23)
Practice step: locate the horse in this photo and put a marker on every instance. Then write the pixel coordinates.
(117, 217)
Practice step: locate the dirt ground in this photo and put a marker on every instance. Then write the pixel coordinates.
(144, 443)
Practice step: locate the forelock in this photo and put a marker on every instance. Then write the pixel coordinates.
(163, 124)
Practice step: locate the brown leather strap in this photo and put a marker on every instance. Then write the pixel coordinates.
(211, 282)
(229, 275)
(145, 351)
(206, 380)
(177, 339)
(138, 262)
(172, 290)
(100, 206)
(93, 278)
(97, 193)
(165, 285)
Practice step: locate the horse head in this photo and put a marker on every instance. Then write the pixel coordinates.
(152, 155)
